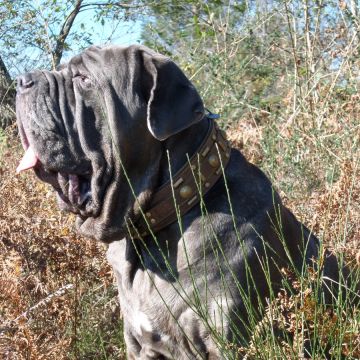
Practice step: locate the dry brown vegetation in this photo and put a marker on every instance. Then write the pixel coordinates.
(317, 172)
(56, 289)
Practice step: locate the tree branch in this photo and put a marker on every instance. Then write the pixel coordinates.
(7, 97)
(57, 53)
(64, 32)
(118, 4)
(4, 71)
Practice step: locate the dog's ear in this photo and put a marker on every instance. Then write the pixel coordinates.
(173, 104)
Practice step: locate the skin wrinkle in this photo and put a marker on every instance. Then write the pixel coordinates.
(104, 176)
(65, 102)
(106, 131)
(90, 139)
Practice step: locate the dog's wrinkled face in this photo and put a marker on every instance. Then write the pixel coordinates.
(98, 122)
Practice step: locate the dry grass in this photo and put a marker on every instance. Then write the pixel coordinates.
(316, 171)
(296, 325)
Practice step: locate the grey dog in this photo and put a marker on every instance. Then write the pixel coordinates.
(101, 130)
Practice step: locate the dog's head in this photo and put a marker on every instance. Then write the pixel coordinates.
(97, 124)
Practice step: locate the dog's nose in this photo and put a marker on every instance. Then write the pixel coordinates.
(25, 81)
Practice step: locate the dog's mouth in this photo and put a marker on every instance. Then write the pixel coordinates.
(73, 190)
(74, 193)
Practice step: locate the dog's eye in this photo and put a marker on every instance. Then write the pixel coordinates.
(81, 78)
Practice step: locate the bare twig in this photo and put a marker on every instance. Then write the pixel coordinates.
(45, 301)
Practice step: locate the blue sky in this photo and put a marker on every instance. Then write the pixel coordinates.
(116, 32)
(125, 33)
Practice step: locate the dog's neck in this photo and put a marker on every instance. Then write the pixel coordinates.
(190, 179)
(180, 147)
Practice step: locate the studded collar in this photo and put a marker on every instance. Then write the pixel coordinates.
(187, 186)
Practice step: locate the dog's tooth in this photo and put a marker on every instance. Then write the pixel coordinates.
(84, 198)
(74, 190)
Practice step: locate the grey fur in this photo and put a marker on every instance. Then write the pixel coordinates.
(119, 109)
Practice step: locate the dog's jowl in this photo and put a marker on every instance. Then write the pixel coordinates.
(197, 235)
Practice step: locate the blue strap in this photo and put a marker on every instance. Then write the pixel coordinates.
(210, 115)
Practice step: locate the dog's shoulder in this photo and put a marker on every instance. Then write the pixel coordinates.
(248, 185)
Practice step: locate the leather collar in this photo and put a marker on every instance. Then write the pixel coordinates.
(196, 177)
